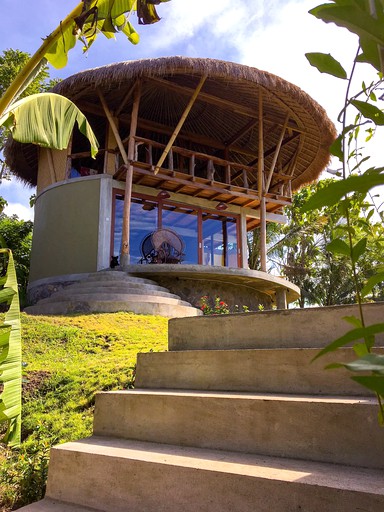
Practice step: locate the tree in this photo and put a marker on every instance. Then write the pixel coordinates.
(84, 23)
(11, 63)
(300, 250)
(16, 234)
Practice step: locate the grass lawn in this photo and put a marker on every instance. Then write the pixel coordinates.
(67, 359)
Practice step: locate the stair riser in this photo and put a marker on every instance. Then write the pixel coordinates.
(114, 484)
(312, 327)
(107, 293)
(118, 276)
(126, 283)
(304, 429)
(263, 371)
(139, 307)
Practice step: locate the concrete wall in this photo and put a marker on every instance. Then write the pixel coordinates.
(66, 231)
(233, 294)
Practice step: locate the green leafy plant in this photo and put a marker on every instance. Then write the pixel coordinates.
(84, 23)
(366, 20)
(217, 306)
(10, 354)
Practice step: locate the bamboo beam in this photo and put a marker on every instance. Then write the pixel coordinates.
(125, 249)
(125, 99)
(260, 173)
(241, 132)
(224, 103)
(180, 123)
(113, 126)
(277, 151)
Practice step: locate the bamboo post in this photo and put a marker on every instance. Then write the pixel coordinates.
(170, 160)
(277, 151)
(113, 127)
(149, 155)
(260, 179)
(180, 123)
(245, 179)
(228, 174)
(210, 170)
(51, 166)
(125, 252)
(192, 165)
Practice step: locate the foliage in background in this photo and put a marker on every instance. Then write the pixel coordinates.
(10, 351)
(84, 23)
(298, 250)
(17, 235)
(66, 361)
(217, 306)
(11, 62)
(360, 114)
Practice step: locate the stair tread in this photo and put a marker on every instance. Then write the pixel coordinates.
(258, 466)
(50, 505)
(248, 395)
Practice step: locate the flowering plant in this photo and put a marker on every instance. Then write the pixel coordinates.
(219, 307)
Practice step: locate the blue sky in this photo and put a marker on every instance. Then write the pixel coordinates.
(268, 34)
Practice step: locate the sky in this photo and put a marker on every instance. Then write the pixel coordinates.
(272, 35)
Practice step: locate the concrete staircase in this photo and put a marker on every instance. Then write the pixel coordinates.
(232, 419)
(111, 291)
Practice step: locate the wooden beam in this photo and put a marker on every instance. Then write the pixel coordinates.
(180, 123)
(277, 151)
(260, 177)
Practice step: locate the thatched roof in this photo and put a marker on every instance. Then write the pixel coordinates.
(229, 101)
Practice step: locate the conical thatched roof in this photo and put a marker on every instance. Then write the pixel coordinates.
(228, 102)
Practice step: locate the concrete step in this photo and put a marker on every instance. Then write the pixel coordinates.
(115, 284)
(326, 429)
(48, 505)
(310, 328)
(100, 293)
(117, 475)
(260, 370)
(151, 306)
(115, 297)
(108, 275)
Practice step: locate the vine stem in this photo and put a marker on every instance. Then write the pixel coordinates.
(345, 158)
(354, 270)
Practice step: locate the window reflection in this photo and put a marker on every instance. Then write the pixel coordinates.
(183, 220)
(218, 246)
(219, 240)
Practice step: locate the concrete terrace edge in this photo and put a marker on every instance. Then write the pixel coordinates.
(289, 328)
(254, 279)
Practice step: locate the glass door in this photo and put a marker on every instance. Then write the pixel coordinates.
(220, 241)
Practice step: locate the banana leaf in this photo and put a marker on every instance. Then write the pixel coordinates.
(47, 120)
(10, 358)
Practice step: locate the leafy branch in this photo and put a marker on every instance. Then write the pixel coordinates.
(366, 20)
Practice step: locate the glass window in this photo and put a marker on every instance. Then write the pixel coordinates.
(219, 240)
(218, 247)
(184, 221)
(144, 215)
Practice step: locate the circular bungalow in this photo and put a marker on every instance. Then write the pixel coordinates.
(198, 151)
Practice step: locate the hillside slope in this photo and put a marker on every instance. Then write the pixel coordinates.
(67, 359)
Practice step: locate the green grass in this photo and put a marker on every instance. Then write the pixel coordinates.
(66, 361)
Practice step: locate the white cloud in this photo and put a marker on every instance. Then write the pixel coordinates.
(20, 210)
